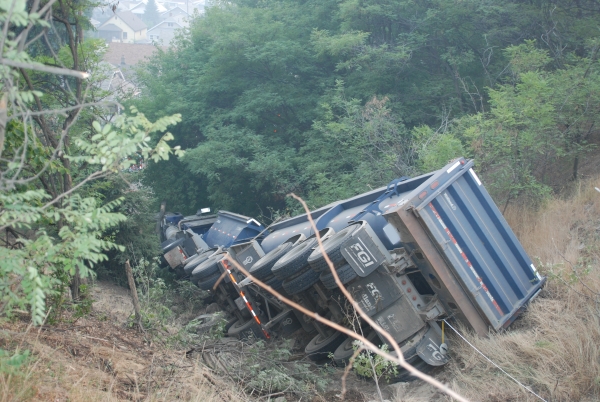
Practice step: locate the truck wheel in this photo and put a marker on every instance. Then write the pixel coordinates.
(331, 247)
(345, 272)
(229, 324)
(208, 283)
(262, 268)
(243, 330)
(296, 259)
(319, 347)
(406, 376)
(344, 352)
(206, 321)
(207, 268)
(273, 282)
(300, 282)
(191, 263)
(190, 266)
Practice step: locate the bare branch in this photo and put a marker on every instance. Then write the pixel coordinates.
(45, 69)
(3, 121)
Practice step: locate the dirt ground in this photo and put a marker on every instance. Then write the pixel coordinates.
(100, 358)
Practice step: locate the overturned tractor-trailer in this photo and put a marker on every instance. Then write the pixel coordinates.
(411, 254)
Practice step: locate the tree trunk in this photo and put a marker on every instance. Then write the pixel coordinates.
(134, 295)
(74, 285)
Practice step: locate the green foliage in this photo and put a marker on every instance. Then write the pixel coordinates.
(12, 362)
(269, 370)
(112, 143)
(30, 271)
(259, 85)
(84, 305)
(54, 229)
(369, 364)
(536, 119)
(163, 300)
(136, 232)
(436, 149)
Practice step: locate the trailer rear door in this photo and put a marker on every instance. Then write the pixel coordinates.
(466, 249)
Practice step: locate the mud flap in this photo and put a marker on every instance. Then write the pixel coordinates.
(429, 347)
(290, 324)
(399, 320)
(364, 250)
(247, 254)
(175, 257)
(375, 293)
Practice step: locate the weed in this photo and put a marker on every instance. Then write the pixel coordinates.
(12, 362)
(84, 306)
(370, 365)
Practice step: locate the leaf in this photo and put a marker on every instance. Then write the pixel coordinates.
(97, 126)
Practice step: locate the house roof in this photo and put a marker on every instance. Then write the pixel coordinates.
(165, 21)
(129, 18)
(133, 53)
(173, 10)
(109, 27)
(142, 6)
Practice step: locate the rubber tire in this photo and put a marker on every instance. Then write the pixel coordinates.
(243, 330)
(169, 245)
(344, 352)
(229, 324)
(208, 283)
(301, 282)
(207, 321)
(295, 259)
(406, 376)
(197, 260)
(331, 247)
(346, 273)
(318, 349)
(262, 268)
(189, 267)
(207, 268)
(273, 282)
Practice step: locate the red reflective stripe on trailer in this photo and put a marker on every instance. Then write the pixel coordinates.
(464, 256)
(254, 315)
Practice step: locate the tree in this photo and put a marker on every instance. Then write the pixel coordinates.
(252, 78)
(51, 148)
(538, 119)
(151, 15)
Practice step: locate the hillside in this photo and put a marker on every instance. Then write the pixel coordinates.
(553, 348)
(101, 358)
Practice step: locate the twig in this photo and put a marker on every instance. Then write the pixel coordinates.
(270, 395)
(98, 339)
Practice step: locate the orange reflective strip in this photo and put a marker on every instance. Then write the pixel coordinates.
(254, 315)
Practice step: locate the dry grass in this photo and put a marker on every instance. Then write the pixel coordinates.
(554, 348)
(98, 359)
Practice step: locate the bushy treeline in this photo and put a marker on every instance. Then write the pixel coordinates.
(331, 98)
